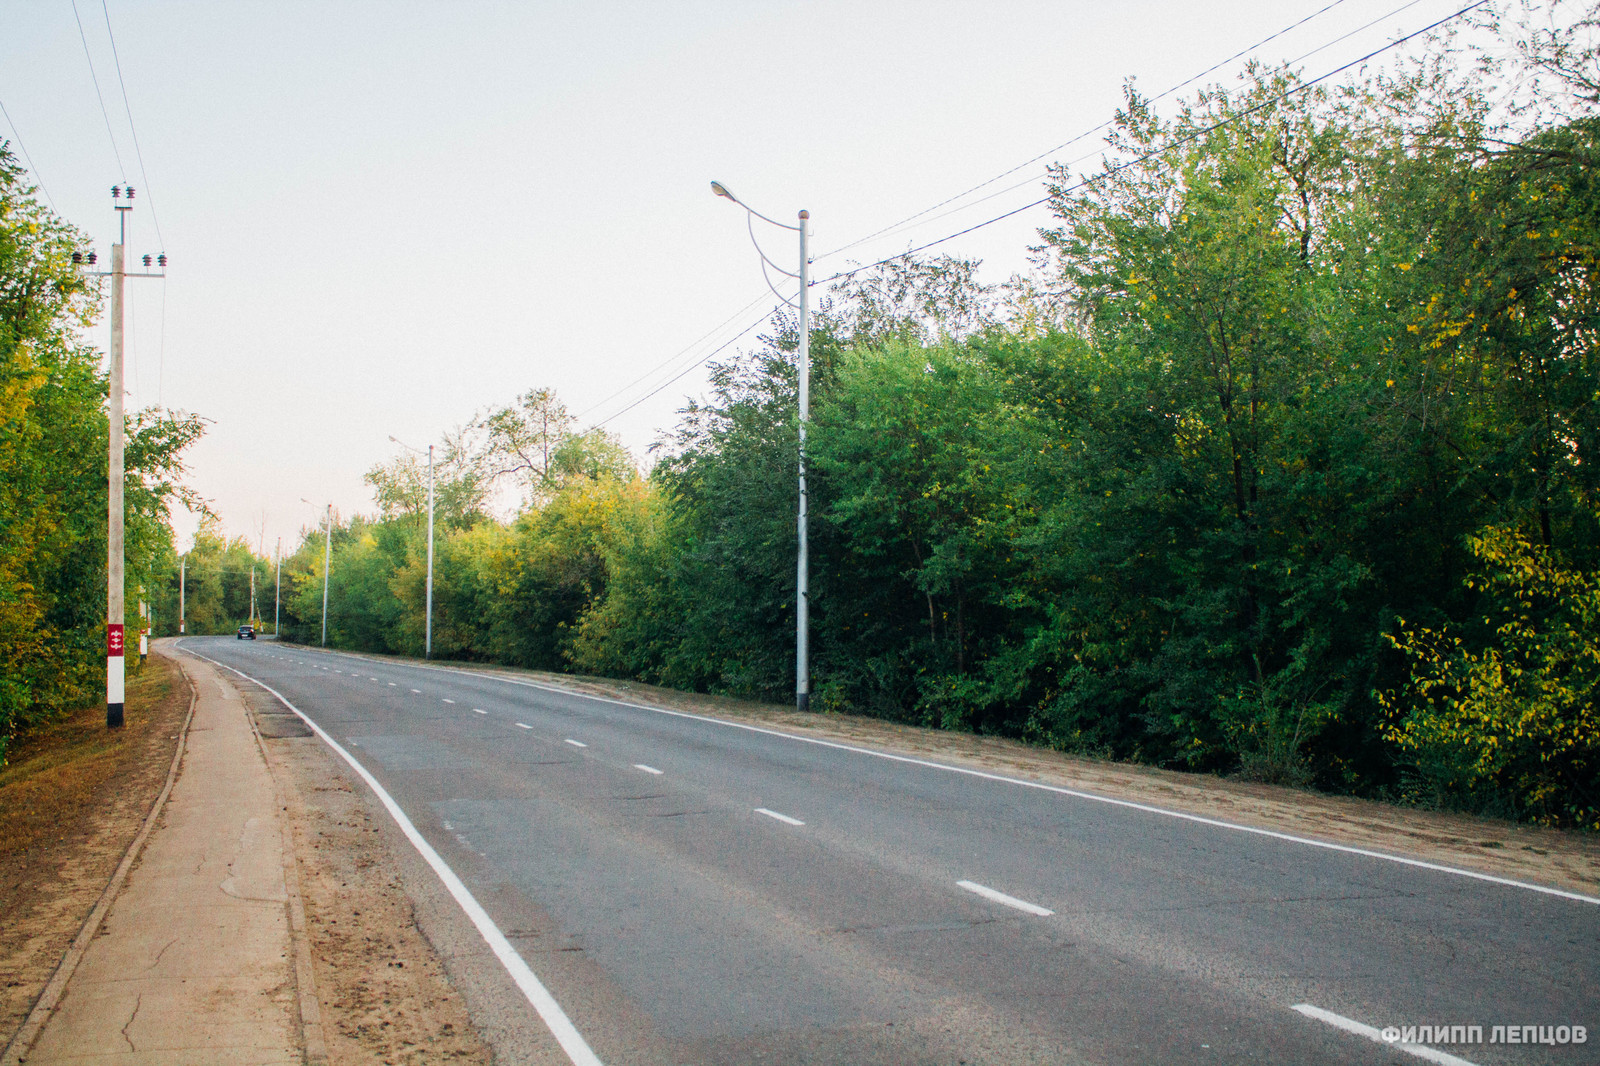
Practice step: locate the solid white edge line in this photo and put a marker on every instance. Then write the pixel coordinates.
(646, 769)
(576, 743)
(555, 1018)
(784, 818)
(1057, 789)
(1010, 901)
(1421, 1051)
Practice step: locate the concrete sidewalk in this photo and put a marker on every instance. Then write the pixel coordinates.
(196, 961)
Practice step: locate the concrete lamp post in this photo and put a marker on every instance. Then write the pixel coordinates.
(802, 651)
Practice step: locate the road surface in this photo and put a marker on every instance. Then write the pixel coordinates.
(689, 890)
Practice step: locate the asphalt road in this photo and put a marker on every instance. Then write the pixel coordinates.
(692, 891)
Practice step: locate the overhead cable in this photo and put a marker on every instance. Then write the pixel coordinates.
(698, 362)
(17, 136)
(1185, 139)
(98, 95)
(672, 358)
(1087, 133)
(134, 130)
(1040, 176)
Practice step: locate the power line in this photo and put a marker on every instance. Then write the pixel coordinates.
(96, 79)
(1078, 185)
(1090, 155)
(28, 158)
(1185, 139)
(671, 359)
(698, 362)
(1088, 133)
(143, 175)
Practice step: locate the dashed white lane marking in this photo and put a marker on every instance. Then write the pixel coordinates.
(1010, 901)
(1421, 1051)
(577, 743)
(1042, 787)
(393, 685)
(449, 701)
(784, 818)
(646, 769)
(477, 711)
(524, 725)
(416, 691)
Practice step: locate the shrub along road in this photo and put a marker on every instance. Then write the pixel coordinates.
(687, 889)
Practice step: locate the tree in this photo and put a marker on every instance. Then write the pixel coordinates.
(1510, 724)
(521, 439)
(53, 435)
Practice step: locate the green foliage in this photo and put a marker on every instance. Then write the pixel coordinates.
(53, 445)
(215, 585)
(1508, 719)
(1289, 369)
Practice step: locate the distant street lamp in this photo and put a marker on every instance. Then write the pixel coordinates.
(277, 585)
(802, 621)
(327, 561)
(427, 624)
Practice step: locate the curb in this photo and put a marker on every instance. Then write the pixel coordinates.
(312, 1037)
(16, 1052)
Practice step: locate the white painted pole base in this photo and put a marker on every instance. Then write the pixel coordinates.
(115, 667)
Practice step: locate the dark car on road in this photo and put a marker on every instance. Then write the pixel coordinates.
(247, 632)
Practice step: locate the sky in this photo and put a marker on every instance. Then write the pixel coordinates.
(383, 218)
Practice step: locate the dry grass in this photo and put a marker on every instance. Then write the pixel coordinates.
(53, 774)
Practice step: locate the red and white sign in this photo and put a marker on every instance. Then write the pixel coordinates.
(113, 638)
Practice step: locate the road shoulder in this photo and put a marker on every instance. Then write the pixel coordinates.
(384, 993)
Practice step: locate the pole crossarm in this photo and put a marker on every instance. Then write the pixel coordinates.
(116, 445)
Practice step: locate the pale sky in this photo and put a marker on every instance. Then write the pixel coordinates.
(384, 217)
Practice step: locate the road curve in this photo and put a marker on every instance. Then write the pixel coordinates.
(691, 891)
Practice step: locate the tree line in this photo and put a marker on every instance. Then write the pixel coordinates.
(53, 444)
(1282, 462)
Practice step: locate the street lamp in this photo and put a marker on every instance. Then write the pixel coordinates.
(327, 561)
(802, 650)
(427, 624)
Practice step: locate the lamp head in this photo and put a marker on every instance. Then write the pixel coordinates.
(722, 190)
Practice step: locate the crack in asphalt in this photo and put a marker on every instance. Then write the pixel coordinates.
(137, 1003)
(157, 960)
